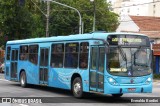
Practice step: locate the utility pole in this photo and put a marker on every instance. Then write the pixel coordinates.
(47, 19)
(94, 19)
(46, 15)
(94, 13)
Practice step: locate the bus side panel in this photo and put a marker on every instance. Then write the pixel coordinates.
(85, 79)
(7, 70)
(57, 78)
(83, 74)
(33, 74)
(61, 78)
(31, 71)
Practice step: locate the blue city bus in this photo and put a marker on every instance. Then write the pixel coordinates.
(99, 62)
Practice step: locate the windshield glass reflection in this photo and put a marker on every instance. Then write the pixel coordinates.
(129, 61)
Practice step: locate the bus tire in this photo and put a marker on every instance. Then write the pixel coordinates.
(117, 95)
(23, 79)
(77, 88)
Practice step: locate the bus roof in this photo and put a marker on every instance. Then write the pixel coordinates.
(94, 35)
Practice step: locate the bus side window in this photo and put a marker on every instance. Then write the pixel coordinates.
(83, 62)
(33, 54)
(71, 55)
(57, 55)
(22, 56)
(23, 52)
(101, 59)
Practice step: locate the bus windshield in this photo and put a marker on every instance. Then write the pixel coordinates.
(127, 61)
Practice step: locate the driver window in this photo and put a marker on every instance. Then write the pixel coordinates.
(141, 57)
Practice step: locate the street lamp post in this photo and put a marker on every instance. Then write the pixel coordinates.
(47, 16)
(94, 13)
(48, 11)
(80, 18)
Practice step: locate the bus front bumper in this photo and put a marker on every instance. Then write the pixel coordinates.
(119, 89)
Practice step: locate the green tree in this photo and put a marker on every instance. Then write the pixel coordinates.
(19, 21)
(15, 20)
(39, 20)
(64, 21)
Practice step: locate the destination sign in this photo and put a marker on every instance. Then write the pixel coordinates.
(128, 40)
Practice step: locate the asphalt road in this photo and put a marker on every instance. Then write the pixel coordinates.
(62, 97)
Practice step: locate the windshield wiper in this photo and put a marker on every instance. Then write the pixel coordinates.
(122, 53)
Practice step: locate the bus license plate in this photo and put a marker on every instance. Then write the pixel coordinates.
(131, 89)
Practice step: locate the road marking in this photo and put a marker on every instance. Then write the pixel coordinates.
(3, 80)
(23, 105)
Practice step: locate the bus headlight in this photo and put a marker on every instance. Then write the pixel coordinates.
(112, 81)
(148, 81)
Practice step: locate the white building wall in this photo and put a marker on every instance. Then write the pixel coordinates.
(117, 6)
(154, 8)
(157, 10)
(137, 7)
(126, 24)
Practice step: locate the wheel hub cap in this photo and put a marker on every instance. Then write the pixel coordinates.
(77, 88)
(22, 80)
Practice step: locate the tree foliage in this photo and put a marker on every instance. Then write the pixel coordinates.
(65, 21)
(19, 21)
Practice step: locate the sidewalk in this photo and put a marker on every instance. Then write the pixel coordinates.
(156, 80)
(1, 75)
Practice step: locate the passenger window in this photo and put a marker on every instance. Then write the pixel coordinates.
(33, 54)
(57, 55)
(83, 61)
(14, 55)
(101, 59)
(23, 52)
(71, 55)
(94, 58)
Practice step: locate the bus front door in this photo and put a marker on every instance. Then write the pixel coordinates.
(97, 69)
(44, 64)
(14, 63)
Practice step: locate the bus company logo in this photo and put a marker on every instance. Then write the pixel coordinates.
(131, 81)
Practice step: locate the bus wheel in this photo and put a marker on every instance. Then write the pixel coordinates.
(117, 95)
(77, 87)
(23, 79)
